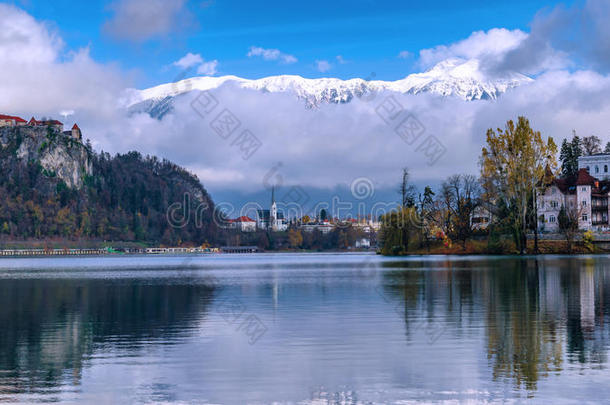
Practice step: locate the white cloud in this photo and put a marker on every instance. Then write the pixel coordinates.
(404, 54)
(578, 36)
(141, 20)
(323, 65)
(271, 54)
(352, 132)
(189, 60)
(23, 40)
(478, 45)
(45, 79)
(208, 68)
(40, 78)
(341, 60)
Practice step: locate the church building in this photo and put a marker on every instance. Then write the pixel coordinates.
(271, 219)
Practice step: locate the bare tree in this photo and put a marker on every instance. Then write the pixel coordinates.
(568, 224)
(591, 145)
(407, 190)
(407, 193)
(461, 194)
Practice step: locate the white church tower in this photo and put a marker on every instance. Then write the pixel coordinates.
(273, 224)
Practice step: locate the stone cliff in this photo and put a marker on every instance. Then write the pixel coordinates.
(58, 154)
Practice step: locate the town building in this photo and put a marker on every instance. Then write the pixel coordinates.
(597, 165)
(363, 243)
(56, 125)
(481, 217)
(583, 196)
(243, 224)
(11, 121)
(75, 133)
(322, 226)
(271, 219)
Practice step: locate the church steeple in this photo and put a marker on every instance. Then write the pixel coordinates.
(273, 211)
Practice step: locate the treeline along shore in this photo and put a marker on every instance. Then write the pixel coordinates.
(523, 201)
(58, 195)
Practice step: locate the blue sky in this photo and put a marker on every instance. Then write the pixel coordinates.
(368, 35)
(79, 60)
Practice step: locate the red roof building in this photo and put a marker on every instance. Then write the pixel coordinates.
(43, 123)
(11, 120)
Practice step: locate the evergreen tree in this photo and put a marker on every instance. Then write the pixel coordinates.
(607, 148)
(566, 158)
(576, 152)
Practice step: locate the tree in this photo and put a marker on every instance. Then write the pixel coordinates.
(295, 238)
(461, 193)
(591, 145)
(406, 190)
(576, 147)
(568, 166)
(394, 226)
(426, 214)
(407, 195)
(512, 165)
(607, 148)
(323, 215)
(568, 225)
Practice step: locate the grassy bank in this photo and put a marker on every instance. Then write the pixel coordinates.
(504, 247)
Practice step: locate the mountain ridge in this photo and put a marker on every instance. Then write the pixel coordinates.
(452, 77)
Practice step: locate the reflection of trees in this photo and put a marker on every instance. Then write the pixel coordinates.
(52, 326)
(534, 310)
(522, 343)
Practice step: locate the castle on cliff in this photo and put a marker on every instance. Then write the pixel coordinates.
(14, 121)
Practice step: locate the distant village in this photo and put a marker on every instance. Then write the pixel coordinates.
(14, 121)
(274, 220)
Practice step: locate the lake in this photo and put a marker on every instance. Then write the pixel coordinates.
(305, 329)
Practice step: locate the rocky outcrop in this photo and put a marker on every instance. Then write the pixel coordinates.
(58, 154)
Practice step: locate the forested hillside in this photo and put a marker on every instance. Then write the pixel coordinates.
(52, 186)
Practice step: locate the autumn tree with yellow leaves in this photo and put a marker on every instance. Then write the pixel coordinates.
(513, 165)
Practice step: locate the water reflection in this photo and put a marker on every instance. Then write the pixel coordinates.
(537, 313)
(50, 328)
(363, 328)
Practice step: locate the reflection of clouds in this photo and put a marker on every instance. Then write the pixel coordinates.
(161, 339)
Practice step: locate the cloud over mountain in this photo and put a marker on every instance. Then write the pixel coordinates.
(324, 146)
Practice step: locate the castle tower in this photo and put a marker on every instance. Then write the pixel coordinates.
(76, 134)
(273, 212)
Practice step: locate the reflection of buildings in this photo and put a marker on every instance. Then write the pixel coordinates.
(587, 300)
(538, 313)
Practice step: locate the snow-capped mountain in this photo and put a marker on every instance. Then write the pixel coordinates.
(452, 77)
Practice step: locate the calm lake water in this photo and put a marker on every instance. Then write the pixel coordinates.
(305, 329)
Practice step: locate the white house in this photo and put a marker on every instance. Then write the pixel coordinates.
(597, 165)
(481, 218)
(582, 195)
(244, 224)
(324, 227)
(363, 243)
